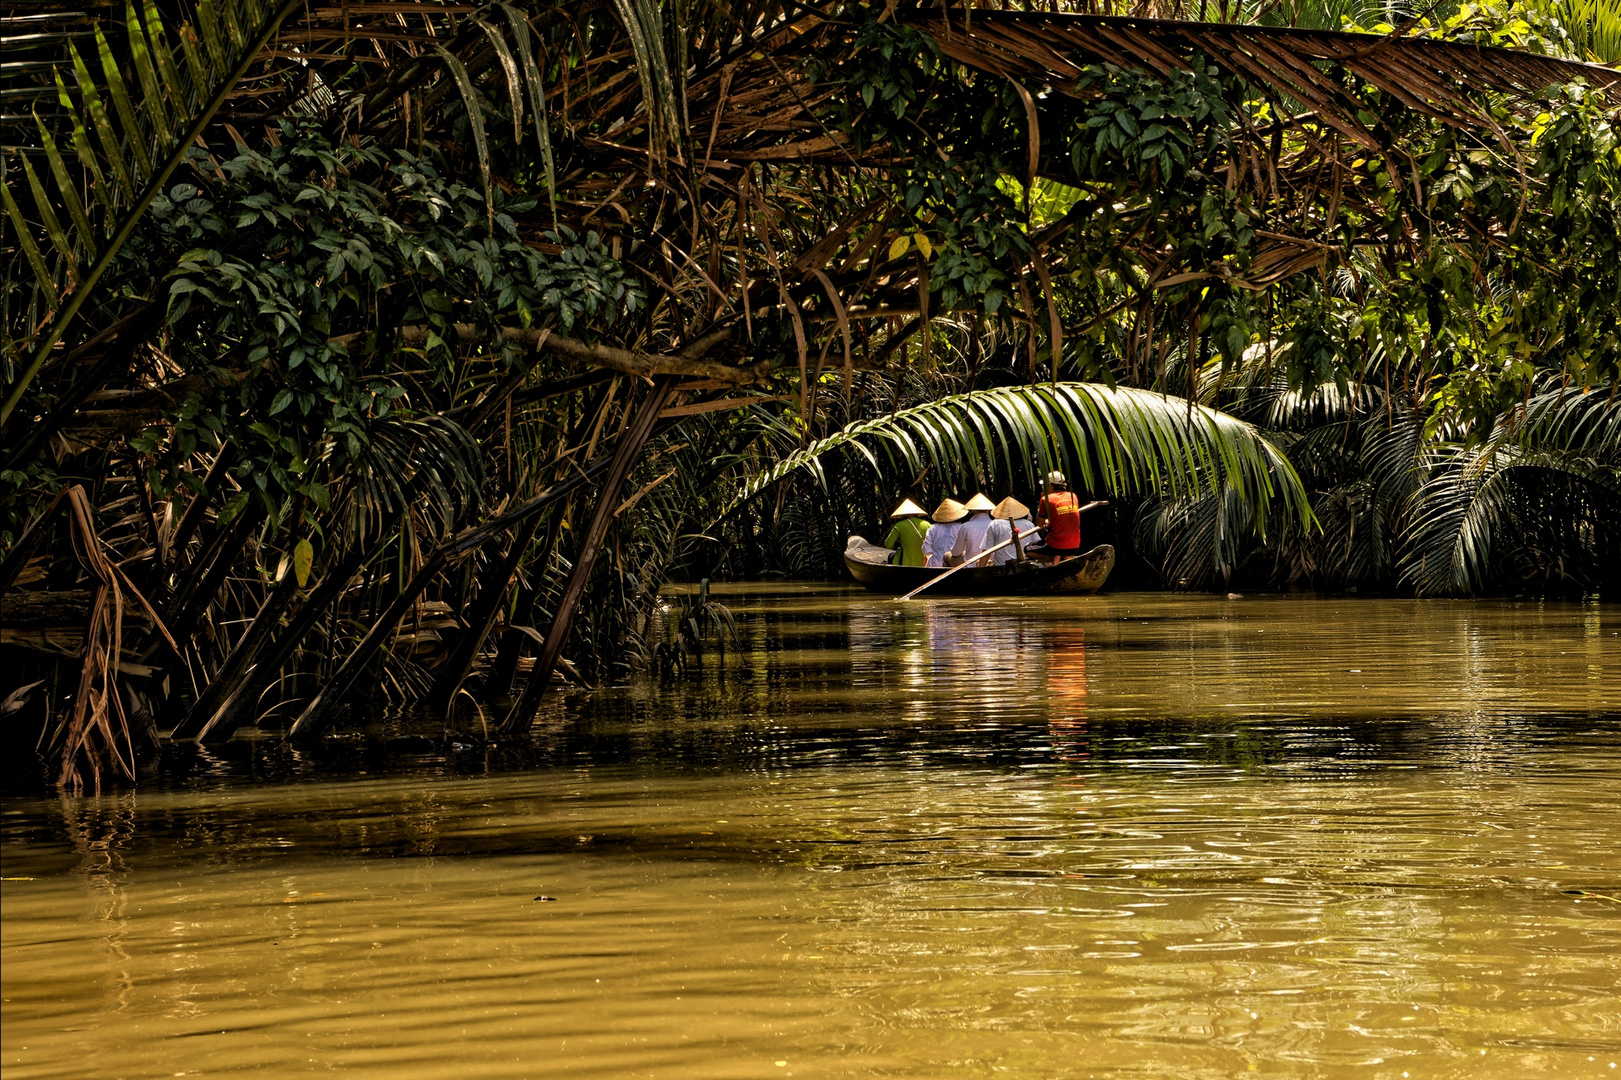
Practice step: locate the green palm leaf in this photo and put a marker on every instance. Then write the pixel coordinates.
(644, 25)
(1120, 440)
(140, 155)
(1458, 515)
(1585, 421)
(1594, 26)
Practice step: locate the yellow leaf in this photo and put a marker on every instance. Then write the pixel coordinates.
(924, 246)
(900, 246)
(303, 559)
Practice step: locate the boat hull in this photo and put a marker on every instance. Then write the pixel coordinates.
(1083, 573)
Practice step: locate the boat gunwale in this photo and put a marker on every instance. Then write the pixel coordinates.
(1005, 579)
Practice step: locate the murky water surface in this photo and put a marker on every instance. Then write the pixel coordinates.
(1126, 836)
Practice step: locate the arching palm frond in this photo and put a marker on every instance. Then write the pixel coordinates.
(142, 134)
(1568, 419)
(1594, 26)
(1120, 440)
(1357, 539)
(431, 461)
(1424, 72)
(1196, 540)
(1457, 516)
(1390, 452)
(1462, 512)
(1328, 404)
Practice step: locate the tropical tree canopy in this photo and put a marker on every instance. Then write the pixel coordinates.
(392, 342)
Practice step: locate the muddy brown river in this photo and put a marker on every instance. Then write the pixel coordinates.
(1127, 836)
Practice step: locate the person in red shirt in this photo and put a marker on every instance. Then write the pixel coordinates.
(1059, 514)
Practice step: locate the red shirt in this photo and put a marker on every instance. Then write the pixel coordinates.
(1063, 513)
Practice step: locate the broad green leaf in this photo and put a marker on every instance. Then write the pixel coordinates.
(47, 214)
(537, 99)
(179, 100)
(195, 63)
(509, 68)
(644, 25)
(475, 118)
(209, 28)
(233, 27)
(303, 559)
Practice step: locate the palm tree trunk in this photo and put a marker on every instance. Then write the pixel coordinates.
(625, 455)
(237, 702)
(492, 591)
(240, 662)
(505, 669)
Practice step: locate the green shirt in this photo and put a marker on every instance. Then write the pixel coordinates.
(907, 535)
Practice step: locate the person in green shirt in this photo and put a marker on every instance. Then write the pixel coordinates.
(907, 535)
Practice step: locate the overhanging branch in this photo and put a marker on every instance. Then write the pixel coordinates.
(688, 363)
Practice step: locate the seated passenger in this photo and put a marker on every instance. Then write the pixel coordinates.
(1010, 514)
(942, 535)
(971, 541)
(907, 535)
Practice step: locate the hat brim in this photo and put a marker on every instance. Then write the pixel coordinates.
(908, 508)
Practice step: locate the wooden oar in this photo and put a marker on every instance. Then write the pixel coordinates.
(966, 565)
(1093, 505)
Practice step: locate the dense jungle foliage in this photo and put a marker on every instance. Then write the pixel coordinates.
(357, 351)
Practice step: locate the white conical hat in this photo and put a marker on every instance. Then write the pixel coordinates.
(908, 508)
(980, 502)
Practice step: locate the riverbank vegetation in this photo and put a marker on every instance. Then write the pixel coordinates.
(400, 353)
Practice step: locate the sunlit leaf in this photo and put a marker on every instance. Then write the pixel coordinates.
(303, 559)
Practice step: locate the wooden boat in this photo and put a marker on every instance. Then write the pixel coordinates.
(1084, 573)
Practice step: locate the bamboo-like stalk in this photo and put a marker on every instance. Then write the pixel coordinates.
(626, 452)
(492, 591)
(319, 713)
(246, 653)
(239, 703)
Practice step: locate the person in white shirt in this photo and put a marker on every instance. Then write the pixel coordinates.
(971, 540)
(942, 535)
(1010, 514)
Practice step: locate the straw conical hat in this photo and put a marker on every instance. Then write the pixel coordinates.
(908, 508)
(980, 502)
(950, 510)
(1010, 509)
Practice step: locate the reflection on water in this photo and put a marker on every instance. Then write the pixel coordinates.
(1125, 836)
